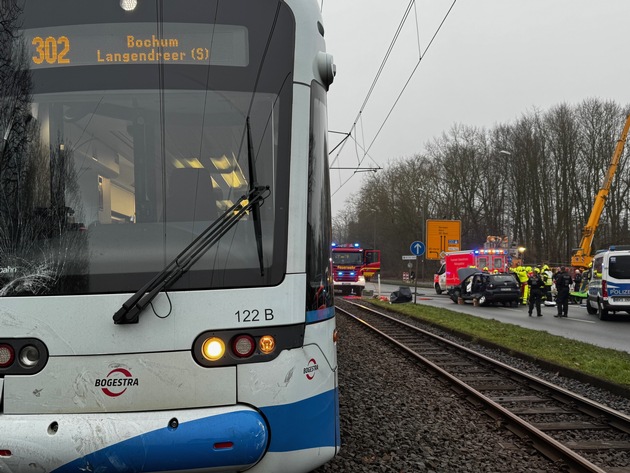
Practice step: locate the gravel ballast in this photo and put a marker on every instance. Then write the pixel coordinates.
(396, 417)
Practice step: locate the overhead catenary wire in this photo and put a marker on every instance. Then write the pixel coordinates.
(410, 77)
(421, 55)
(380, 70)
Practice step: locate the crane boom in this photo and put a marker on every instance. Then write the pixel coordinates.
(582, 257)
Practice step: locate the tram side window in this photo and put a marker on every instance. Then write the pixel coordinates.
(319, 233)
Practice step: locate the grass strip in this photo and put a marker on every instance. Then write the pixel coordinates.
(604, 363)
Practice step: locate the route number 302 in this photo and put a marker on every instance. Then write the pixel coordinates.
(254, 315)
(52, 50)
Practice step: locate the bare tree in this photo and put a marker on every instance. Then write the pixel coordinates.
(534, 179)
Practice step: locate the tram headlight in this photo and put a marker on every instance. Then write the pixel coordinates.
(29, 356)
(213, 349)
(128, 5)
(23, 356)
(6, 355)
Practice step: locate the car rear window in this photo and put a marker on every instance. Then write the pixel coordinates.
(503, 279)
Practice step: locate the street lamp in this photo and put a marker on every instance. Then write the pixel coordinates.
(521, 252)
(373, 212)
(505, 154)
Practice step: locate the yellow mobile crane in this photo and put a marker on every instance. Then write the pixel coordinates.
(582, 257)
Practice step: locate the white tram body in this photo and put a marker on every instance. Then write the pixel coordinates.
(113, 103)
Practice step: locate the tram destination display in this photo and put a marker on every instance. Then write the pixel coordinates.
(137, 43)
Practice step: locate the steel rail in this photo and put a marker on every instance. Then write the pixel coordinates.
(548, 446)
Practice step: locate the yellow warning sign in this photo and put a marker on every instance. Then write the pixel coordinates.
(443, 236)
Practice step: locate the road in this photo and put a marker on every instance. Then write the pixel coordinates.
(578, 326)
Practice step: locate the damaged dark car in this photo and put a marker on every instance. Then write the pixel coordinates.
(485, 288)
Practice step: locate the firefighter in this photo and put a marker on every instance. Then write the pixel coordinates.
(521, 273)
(547, 277)
(587, 273)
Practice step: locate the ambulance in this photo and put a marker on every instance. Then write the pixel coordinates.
(493, 260)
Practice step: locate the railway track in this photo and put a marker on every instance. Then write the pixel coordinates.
(571, 430)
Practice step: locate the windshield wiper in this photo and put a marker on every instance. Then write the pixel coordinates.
(253, 183)
(130, 311)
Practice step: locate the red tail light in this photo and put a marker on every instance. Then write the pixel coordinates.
(243, 346)
(26, 356)
(7, 355)
(604, 289)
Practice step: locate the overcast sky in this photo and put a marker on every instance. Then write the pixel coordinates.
(491, 61)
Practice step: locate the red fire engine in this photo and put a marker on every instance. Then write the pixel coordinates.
(352, 266)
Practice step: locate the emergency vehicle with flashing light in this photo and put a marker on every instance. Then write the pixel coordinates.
(492, 260)
(352, 265)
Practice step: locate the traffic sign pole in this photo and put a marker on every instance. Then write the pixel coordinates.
(415, 290)
(417, 248)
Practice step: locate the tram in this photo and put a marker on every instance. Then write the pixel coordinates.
(167, 301)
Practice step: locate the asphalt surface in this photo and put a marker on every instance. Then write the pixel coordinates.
(579, 325)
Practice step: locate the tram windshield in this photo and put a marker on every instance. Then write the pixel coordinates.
(125, 136)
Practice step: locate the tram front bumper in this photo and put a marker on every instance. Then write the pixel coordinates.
(222, 439)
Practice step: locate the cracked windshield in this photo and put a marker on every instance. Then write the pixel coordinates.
(108, 174)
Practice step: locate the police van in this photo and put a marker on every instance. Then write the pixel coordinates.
(609, 286)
